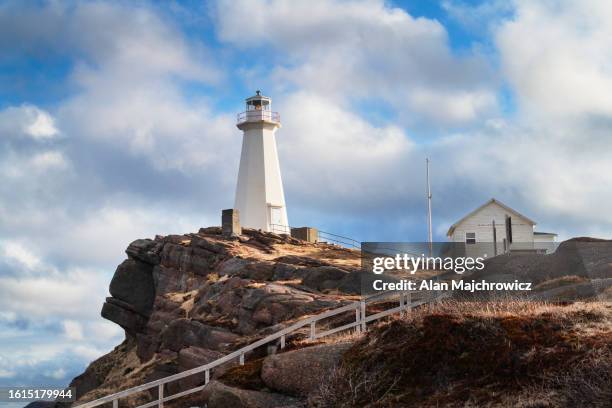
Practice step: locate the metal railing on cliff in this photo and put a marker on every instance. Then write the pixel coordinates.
(322, 236)
(280, 337)
(405, 304)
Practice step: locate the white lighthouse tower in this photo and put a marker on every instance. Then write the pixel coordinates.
(259, 194)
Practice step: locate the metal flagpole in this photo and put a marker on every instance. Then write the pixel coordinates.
(429, 234)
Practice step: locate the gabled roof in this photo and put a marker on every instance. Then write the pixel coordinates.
(544, 233)
(491, 201)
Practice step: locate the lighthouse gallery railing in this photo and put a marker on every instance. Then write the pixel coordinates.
(258, 115)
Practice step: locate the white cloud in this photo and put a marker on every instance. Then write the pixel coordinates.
(364, 50)
(17, 252)
(48, 160)
(117, 227)
(81, 180)
(477, 17)
(133, 96)
(88, 352)
(56, 374)
(536, 169)
(42, 127)
(73, 330)
(153, 121)
(104, 330)
(71, 205)
(347, 154)
(557, 57)
(27, 121)
(6, 373)
(71, 294)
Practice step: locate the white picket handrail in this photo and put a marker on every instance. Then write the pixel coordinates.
(361, 319)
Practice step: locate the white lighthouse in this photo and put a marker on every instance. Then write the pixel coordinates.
(259, 193)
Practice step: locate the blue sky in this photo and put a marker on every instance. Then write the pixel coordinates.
(117, 122)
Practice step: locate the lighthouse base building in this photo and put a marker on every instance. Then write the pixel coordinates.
(260, 198)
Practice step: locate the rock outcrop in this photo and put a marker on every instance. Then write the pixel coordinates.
(312, 363)
(219, 395)
(187, 300)
(584, 257)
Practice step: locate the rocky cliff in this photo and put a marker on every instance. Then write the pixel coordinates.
(186, 300)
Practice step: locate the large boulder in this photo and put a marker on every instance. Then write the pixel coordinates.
(219, 395)
(299, 372)
(323, 277)
(259, 270)
(252, 307)
(182, 333)
(275, 303)
(189, 259)
(168, 279)
(133, 284)
(145, 250)
(124, 315)
(192, 357)
(283, 271)
(232, 266)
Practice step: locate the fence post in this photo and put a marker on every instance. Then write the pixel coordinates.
(401, 305)
(282, 345)
(160, 393)
(357, 321)
(409, 301)
(363, 315)
(241, 359)
(312, 330)
(115, 403)
(206, 377)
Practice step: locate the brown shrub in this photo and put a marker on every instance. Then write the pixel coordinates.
(589, 384)
(468, 354)
(247, 376)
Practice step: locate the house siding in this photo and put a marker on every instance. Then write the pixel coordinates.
(481, 224)
(545, 242)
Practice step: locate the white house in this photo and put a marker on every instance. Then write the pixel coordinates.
(494, 228)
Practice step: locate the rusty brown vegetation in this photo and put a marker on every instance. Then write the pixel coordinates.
(247, 376)
(480, 354)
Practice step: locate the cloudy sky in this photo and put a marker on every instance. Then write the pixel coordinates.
(117, 121)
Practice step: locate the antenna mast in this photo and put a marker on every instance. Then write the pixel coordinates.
(429, 233)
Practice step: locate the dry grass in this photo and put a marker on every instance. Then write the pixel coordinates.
(561, 281)
(494, 353)
(247, 376)
(606, 295)
(337, 256)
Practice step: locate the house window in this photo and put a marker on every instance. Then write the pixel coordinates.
(470, 237)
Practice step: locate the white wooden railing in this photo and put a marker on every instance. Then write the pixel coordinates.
(258, 115)
(360, 324)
